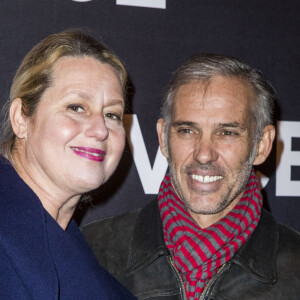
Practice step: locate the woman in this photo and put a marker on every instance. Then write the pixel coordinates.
(64, 137)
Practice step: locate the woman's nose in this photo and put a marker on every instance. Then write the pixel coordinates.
(97, 128)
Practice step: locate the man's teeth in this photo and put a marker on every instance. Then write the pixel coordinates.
(206, 179)
(90, 153)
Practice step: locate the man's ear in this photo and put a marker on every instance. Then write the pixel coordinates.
(160, 128)
(264, 146)
(17, 118)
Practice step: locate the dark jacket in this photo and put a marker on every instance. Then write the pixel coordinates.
(39, 260)
(132, 248)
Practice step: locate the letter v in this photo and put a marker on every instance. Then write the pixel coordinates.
(151, 178)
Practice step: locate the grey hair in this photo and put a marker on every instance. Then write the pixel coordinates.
(203, 67)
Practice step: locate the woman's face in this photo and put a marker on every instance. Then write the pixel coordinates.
(76, 137)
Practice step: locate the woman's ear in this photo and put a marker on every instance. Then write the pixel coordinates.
(160, 128)
(17, 119)
(264, 146)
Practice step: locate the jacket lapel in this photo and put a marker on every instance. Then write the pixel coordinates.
(258, 255)
(148, 241)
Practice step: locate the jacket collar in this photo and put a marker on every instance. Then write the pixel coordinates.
(148, 241)
(257, 257)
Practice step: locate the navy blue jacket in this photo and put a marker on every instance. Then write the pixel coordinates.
(39, 260)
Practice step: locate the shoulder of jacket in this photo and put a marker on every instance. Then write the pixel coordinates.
(288, 238)
(118, 227)
(110, 240)
(120, 220)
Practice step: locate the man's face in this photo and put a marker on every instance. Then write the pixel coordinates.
(210, 143)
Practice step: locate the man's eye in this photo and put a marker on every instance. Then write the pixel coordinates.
(185, 130)
(113, 116)
(75, 108)
(228, 133)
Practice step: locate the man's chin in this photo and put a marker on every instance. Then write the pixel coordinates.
(203, 206)
(210, 206)
(205, 211)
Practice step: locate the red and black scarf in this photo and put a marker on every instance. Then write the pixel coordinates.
(199, 253)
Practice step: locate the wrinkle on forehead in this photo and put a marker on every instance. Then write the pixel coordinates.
(200, 93)
(229, 98)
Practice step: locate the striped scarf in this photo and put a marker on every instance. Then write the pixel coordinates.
(199, 253)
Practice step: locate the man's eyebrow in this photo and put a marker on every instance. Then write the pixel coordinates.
(231, 125)
(184, 123)
(218, 125)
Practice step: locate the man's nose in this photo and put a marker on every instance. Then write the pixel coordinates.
(97, 128)
(205, 151)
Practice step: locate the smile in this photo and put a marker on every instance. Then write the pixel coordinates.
(206, 179)
(89, 153)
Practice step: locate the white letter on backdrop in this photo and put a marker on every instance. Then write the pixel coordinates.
(151, 178)
(286, 158)
(144, 3)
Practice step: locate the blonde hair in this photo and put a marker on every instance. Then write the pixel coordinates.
(34, 75)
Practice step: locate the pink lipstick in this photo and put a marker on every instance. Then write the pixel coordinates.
(89, 153)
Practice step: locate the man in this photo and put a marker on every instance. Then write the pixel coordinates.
(206, 236)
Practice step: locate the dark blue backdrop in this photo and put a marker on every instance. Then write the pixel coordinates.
(153, 42)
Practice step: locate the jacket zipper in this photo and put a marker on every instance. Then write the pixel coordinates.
(180, 279)
(204, 293)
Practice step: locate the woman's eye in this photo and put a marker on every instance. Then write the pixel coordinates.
(113, 116)
(75, 108)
